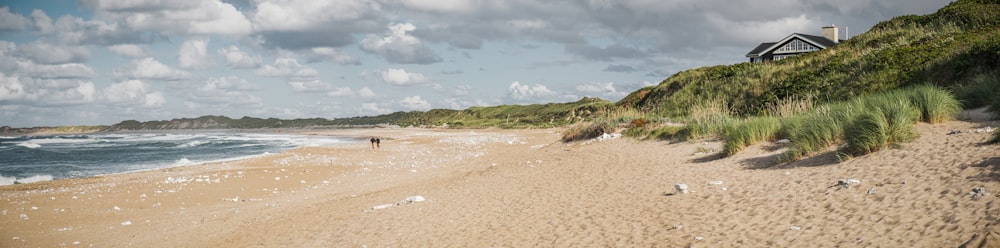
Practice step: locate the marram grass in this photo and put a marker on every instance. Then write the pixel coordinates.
(748, 132)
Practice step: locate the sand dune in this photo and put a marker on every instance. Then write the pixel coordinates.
(520, 188)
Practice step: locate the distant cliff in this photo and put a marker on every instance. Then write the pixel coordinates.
(12, 131)
(214, 122)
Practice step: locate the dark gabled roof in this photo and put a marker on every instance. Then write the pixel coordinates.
(819, 41)
(760, 49)
(823, 41)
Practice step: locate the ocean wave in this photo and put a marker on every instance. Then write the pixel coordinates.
(193, 143)
(4, 181)
(29, 145)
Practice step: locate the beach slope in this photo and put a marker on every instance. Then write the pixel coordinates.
(475, 188)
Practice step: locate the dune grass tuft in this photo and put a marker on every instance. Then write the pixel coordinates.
(587, 130)
(750, 131)
(935, 105)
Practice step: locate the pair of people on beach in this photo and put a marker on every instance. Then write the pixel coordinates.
(376, 142)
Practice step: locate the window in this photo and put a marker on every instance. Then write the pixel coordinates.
(780, 57)
(797, 45)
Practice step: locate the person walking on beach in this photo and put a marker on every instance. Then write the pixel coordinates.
(373, 142)
(378, 143)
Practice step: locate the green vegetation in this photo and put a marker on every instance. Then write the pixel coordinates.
(750, 131)
(955, 49)
(587, 130)
(862, 95)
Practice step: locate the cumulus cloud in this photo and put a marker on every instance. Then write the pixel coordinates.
(330, 54)
(128, 50)
(340, 91)
(442, 6)
(310, 86)
(176, 17)
(366, 92)
(193, 54)
(45, 53)
(303, 24)
(10, 21)
(396, 46)
(133, 92)
(149, 68)
(228, 90)
(399, 77)
(236, 58)
(373, 108)
(763, 30)
(42, 21)
(287, 68)
(75, 30)
(414, 103)
(11, 62)
(520, 91)
(44, 92)
(602, 90)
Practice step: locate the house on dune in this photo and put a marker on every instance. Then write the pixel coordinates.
(794, 44)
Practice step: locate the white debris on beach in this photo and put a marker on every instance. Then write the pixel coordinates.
(407, 200)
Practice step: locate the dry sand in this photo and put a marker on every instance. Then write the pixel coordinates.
(524, 188)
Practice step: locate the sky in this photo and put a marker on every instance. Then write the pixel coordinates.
(99, 62)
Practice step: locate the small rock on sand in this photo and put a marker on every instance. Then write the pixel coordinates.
(680, 188)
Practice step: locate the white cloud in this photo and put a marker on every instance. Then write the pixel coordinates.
(310, 86)
(767, 30)
(133, 92)
(12, 62)
(235, 58)
(597, 88)
(42, 21)
(399, 77)
(373, 108)
(45, 53)
(149, 68)
(178, 17)
(128, 50)
(44, 92)
(396, 46)
(289, 15)
(193, 54)
(223, 91)
(442, 6)
(287, 68)
(366, 92)
(75, 30)
(415, 103)
(520, 91)
(332, 55)
(461, 90)
(340, 91)
(11, 21)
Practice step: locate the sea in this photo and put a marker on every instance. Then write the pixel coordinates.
(28, 159)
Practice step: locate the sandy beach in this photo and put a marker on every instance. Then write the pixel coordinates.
(525, 188)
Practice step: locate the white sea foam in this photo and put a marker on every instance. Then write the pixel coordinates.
(28, 144)
(33, 179)
(193, 143)
(4, 181)
(183, 162)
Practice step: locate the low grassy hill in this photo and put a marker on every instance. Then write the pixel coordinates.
(957, 48)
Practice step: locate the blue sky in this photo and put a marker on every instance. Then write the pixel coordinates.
(98, 62)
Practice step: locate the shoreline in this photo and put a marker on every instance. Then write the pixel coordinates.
(524, 188)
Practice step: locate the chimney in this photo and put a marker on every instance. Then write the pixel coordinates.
(830, 32)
